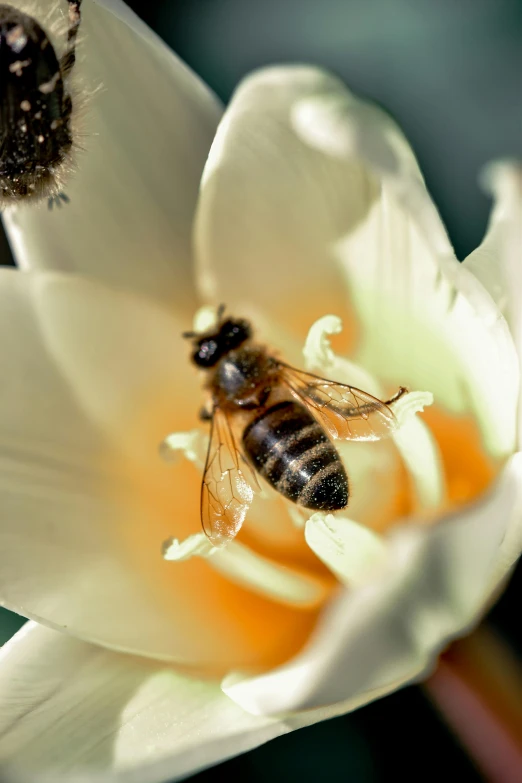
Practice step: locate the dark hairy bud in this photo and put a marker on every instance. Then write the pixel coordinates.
(35, 106)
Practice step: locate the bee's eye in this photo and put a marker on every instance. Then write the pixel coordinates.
(233, 333)
(207, 353)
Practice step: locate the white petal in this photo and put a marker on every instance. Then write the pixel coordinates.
(71, 709)
(115, 349)
(497, 263)
(313, 202)
(92, 381)
(388, 631)
(146, 135)
(270, 206)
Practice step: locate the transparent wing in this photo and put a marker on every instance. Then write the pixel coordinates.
(346, 413)
(225, 493)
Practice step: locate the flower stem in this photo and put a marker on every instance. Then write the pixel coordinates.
(477, 687)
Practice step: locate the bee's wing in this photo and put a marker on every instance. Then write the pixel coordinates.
(225, 493)
(347, 413)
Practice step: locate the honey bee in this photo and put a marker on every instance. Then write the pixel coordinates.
(35, 107)
(275, 421)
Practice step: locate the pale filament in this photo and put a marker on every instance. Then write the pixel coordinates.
(245, 567)
(413, 439)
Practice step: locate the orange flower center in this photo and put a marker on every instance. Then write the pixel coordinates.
(223, 625)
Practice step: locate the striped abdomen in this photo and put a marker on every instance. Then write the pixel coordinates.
(292, 452)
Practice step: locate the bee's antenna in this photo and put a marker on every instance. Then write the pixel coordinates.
(188, 335)
(221, 311)
(69, 58)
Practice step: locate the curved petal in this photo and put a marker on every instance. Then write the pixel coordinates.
(270, 206)
(312, 202)
(93, 379)
(497, 263)
(388, 631)
(72, 709)
(146, 129)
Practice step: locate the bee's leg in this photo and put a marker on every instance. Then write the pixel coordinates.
(69, 57)
(205, 414)
(402, 391)
(56, 201)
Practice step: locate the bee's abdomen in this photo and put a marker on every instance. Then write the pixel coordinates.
(292, 452)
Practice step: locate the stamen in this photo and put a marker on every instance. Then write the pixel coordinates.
(192, 445)
(196, 545)
(319, 357)
(407, 405)
(248, 569)
(350, 550)
(206, 317)
(413, 438)
(317, 351)
(419, 450)
(297, 515)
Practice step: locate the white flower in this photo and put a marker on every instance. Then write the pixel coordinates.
(311, 202)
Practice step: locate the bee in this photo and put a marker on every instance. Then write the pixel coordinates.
(272, 420)
(35, 107)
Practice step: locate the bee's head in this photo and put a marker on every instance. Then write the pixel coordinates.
(211, 346)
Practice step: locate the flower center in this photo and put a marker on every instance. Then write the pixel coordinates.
(345, 544)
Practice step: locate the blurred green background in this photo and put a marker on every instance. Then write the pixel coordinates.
(450, 71)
